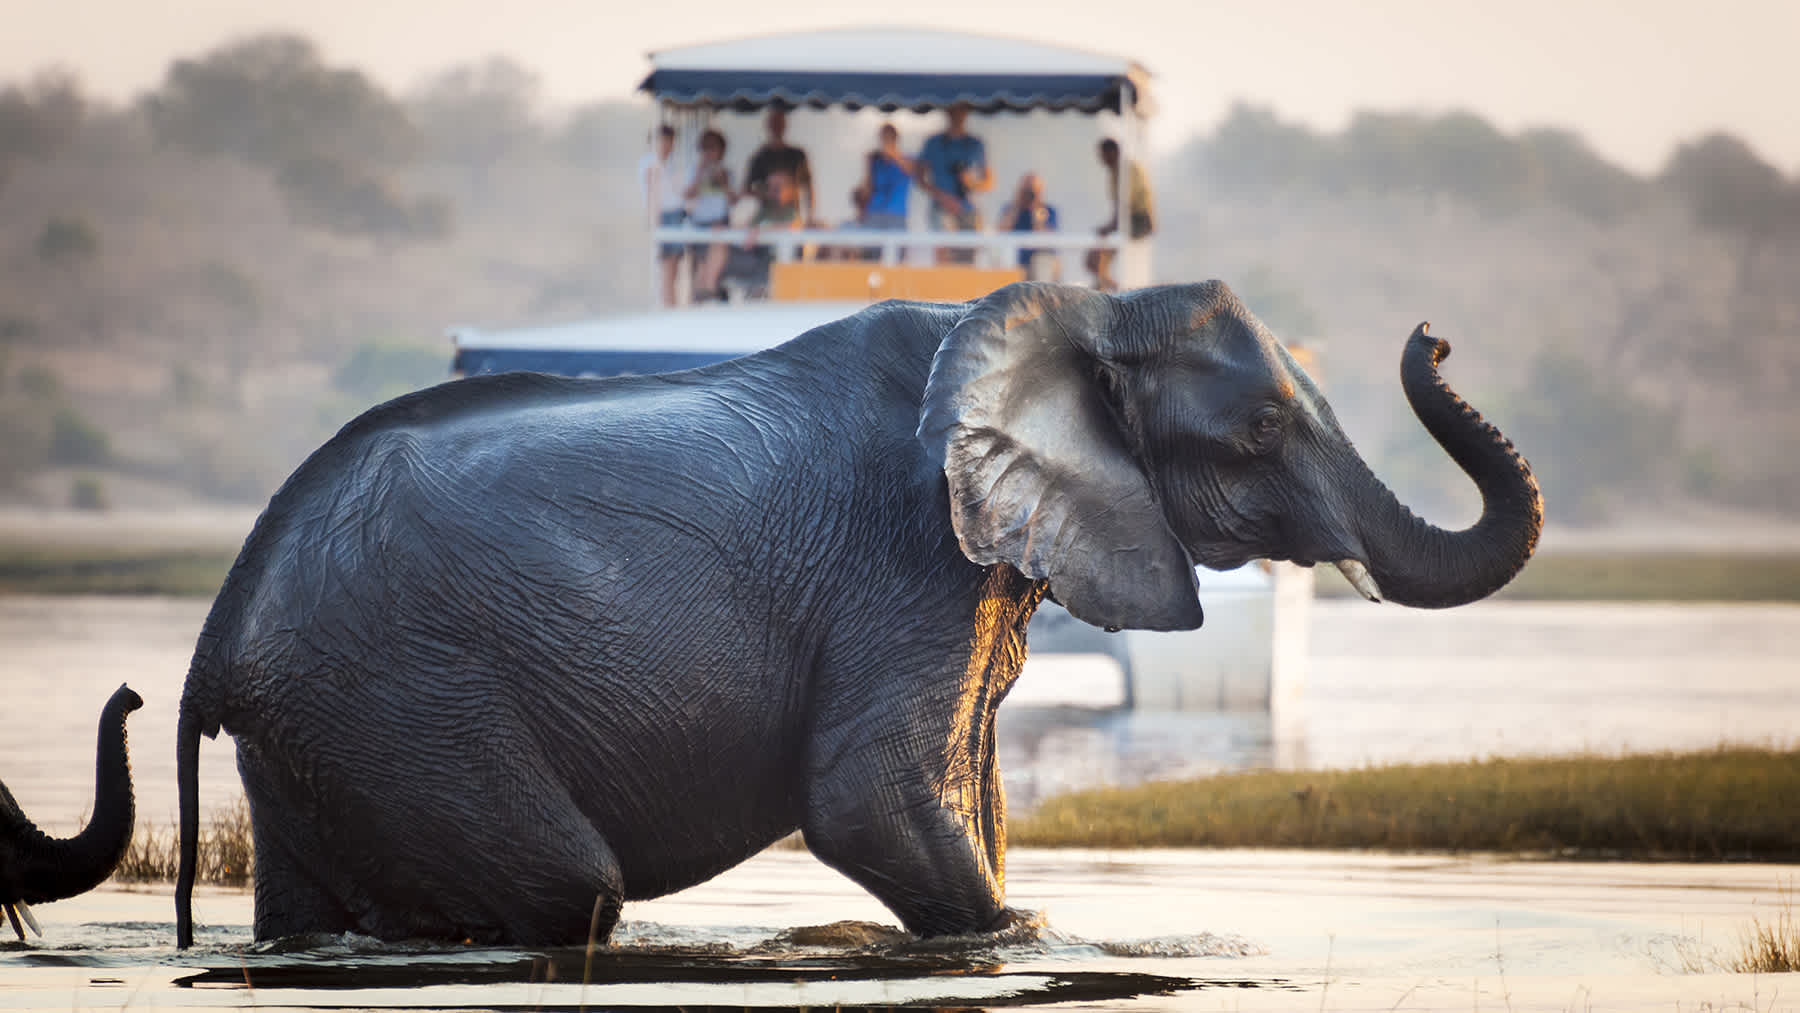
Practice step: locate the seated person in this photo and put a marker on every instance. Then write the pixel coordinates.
(861, 221)
(1028, 212)
(710, 197)
(748, 263)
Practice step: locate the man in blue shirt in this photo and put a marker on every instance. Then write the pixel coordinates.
(951, 168)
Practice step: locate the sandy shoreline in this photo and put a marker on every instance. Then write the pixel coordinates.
(191, 527)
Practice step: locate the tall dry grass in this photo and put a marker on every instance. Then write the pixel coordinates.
(1770, 947)
(1722, 804)
(225, 855)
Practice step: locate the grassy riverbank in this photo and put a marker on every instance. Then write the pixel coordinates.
(28, 568)
(87, 569)
(1728, 804)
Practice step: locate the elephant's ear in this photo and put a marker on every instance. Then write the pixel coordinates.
(1040, 474)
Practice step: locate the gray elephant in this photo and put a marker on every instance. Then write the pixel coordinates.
(508, 652)
(36, 868)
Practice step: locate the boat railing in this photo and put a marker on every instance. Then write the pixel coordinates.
(992, 249)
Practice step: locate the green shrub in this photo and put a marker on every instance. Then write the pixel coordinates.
(27, 431)
(87, 492)
(14, 326)
(379, 370)
(67, 241)
(76, 441)
(39, 382)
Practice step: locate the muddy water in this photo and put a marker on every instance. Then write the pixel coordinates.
(1158, 930)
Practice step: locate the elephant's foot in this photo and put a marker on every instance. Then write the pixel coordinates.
(1014, 921)
(926, 865)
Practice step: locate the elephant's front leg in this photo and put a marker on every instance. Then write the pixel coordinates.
(914, 811)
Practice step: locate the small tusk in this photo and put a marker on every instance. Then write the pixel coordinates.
(13, 917)
(25, 912)
(1358, 576)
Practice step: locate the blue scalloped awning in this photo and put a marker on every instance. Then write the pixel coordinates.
(746, 90)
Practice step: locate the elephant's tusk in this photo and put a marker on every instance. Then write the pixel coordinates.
(25, 912)
(1358, 576)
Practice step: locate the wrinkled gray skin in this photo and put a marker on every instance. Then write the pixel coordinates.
(36, 868)
(510, 651)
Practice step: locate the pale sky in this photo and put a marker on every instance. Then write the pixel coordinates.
(1633, 76)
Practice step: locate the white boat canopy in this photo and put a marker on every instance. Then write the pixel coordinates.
(896, 68)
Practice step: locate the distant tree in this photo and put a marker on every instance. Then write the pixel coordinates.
(1458, 154)
(38, 117)
(67, 242)
(1278, 304)
(337, 196)
(1467, 156)
(1731, 190)
(1594, 440)
(474, 116)
(270, 99)
(1253, 149)
(595, 134)
(1569, 174)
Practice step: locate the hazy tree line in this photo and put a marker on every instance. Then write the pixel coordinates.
(200, 284)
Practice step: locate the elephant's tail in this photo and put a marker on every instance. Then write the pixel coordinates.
(187, 776)
(203, 700)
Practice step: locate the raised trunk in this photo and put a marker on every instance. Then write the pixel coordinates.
(1425, 566)
(36, 868)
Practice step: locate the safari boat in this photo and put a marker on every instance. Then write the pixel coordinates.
(1250, 654)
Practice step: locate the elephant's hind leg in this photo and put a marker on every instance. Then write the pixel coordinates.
(291, 897)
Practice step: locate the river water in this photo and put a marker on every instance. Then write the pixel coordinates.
(1149, 930)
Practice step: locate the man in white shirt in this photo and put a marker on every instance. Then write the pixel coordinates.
(663, 185)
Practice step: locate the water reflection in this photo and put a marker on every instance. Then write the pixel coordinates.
(1049, 750)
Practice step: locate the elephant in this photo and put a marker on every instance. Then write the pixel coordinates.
(36, 868)
(507, 652)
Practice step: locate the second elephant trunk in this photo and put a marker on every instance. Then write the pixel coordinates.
(39, 868)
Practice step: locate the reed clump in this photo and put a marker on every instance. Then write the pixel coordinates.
(224, 855)
(1723, 804)
(1769, 947)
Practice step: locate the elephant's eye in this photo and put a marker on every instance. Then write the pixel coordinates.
(1265, 429)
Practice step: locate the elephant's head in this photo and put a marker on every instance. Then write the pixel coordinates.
(1107, 444)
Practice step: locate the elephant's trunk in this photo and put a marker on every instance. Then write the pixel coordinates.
(1418, 564)
(48, 869)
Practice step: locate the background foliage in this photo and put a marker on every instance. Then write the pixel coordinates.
(199, 286)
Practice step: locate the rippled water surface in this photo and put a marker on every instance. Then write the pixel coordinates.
(1156, 930)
